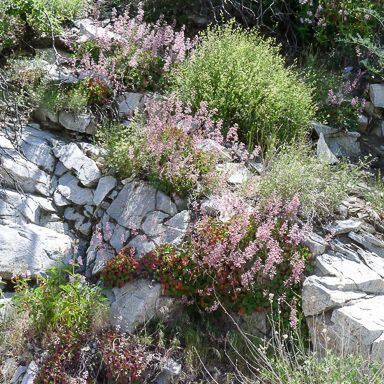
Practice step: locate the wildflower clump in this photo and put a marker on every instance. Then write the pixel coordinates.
(135, 54)
(165, 146)
(238, 262)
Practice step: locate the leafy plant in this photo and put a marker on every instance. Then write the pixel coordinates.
(297, 170)
(244, 78)
(165, 147)
(238, 263)
(370, 47)
(331, 22)
(61, 300)
(100, 356)
(141, 55)
(72, 97)
(336, 95)
(375, 195)
(37, 16)
(120, 269)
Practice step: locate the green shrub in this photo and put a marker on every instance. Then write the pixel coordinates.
(322, 187)
(41, 16)
(71, 97)
(327, 23)
(370, 47)
(375, 195)
(243, 76)
(60, 300)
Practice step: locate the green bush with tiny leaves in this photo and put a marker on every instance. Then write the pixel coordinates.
(244, 77)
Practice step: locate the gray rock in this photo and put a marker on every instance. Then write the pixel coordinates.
(36, 148)
(345, 144)
(142, 245)
(119, 237)
(60, 169)
(235, 173)
(132, 204)
(89, 30)
(31, 373)
(103, 253)
(92, 150)
(376, 263)
(343, 226)
(170, 370)
(172, 231)
(364, 278)
(346, 250)
(74, 159)
(154, 223)
(363, 123)
(316, 244)
(318, 299)
(211, 146)
(376, 93)
(135, 303)
(257, 166)
(60, 200)
(340, 143)
(18, 208)
(108, 228)
(84, 228)
(21, 173)
(71, 215)
(69, 188)
(324, 152)
(129, 102)
(30, 248)
(324, 129)
(369, 242)
(19, 374)
(106, 184)
(82, 123)
(359, 326)
(165, 204)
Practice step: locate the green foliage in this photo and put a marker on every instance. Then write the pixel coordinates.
(72, 97)
(61, 300)
(334, 95)
(322, 187)
(331, 22)
(370, 47)
(130, 154)
(244, 78)
(120, 269)
(306, 367)
(375, 195)
(42, 16)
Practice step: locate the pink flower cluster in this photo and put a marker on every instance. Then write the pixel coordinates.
(170, 147)
(253, 244)
(129, 43)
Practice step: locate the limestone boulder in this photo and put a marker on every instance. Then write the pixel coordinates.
(73, 158)
(30, 248)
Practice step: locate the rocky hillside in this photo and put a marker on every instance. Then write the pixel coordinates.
(170, 204)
